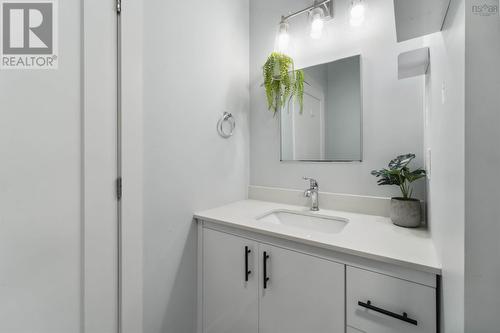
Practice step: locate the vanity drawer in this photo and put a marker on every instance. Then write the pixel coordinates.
(376, 303)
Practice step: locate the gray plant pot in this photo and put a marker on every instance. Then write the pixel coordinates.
(406, 213)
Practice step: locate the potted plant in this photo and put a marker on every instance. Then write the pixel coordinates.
(405, 210)
(282, 82)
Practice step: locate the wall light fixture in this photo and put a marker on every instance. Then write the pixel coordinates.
(357, 12)
(319, 12)
(283, 37)
(316, 16)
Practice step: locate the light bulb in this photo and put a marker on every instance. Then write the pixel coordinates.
(357, 13)
(317, 27)
(317, 23)
(283, 38)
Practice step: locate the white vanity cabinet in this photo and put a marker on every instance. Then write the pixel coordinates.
(286, 291)
(303, 294)
(377, 303)
(230, 298)
(257, 283)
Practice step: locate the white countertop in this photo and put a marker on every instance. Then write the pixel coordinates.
(367, 236)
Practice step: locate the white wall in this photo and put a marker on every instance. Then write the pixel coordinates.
(195, 67)
(132, 213)
(393, 117)
(482, 163)
(445, 138)
(463, 191)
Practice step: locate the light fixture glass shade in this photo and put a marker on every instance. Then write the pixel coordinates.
(283, 38)
(316, 17)
(357, 12)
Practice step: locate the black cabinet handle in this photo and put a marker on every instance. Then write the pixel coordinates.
(403, 317)
(266, 278)
(247, 271)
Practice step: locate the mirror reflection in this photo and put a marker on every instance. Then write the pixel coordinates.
(330, 126)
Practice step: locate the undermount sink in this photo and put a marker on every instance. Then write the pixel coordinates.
(305, 221)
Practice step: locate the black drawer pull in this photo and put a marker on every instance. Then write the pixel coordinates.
(403, 317)
(266, 278)
(247, 271)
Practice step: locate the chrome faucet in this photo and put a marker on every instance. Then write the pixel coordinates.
(312, 193)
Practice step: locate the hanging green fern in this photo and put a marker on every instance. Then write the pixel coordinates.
(282, 82)
(298, 88)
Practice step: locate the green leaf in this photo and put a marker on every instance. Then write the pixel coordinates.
(400, 174)
(401, 161)
(282, 82)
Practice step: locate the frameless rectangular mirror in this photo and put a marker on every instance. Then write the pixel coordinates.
(330, 127)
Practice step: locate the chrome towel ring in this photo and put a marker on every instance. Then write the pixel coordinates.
(226, 117)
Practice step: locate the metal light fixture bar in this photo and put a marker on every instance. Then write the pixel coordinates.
(327, 4)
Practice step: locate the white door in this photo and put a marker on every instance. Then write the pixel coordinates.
(58, 209)
(308, 126)
(302, 293)
(230, 282)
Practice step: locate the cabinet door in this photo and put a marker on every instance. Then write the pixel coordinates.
(230, 302)
(302, 294)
